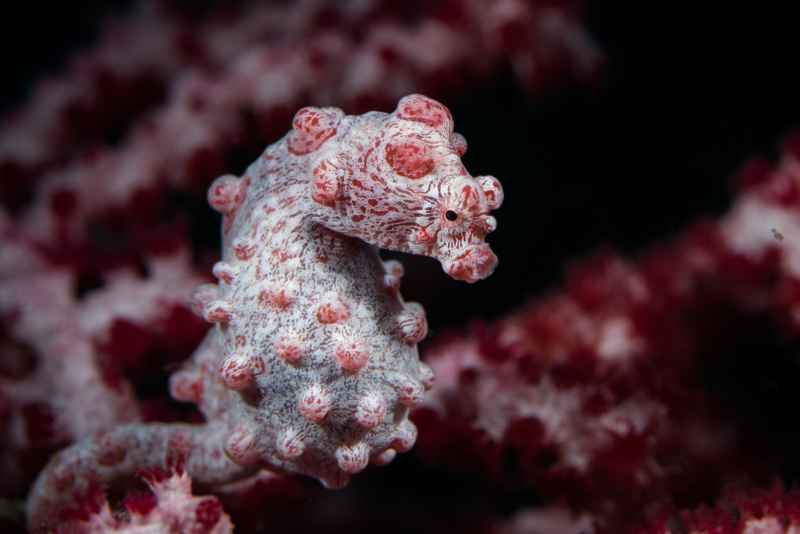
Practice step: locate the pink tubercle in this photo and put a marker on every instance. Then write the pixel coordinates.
(314, 403)
(277, 299)
(218, 311)
(290, 445)
(290, 349)
(371, 410)
(332, 312)
(351, 355)
(412, 324)
(352, 458)
(410, 159)
(241, 446)
(238, 372)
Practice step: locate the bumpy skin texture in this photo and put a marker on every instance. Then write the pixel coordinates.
(312, 366)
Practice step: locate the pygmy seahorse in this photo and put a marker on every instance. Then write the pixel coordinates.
(311, 366)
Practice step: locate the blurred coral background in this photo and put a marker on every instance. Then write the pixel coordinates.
(630, 366)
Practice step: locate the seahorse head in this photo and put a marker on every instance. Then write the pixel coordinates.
(397, 181)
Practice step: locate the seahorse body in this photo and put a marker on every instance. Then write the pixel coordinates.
(312, 365)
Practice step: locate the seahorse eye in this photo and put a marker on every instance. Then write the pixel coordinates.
(450, 215)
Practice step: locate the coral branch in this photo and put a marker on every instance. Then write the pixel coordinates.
(82, 360)
(595, 394)
(168, 507)
(773, 511)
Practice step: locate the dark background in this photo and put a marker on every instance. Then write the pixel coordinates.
(690, 91)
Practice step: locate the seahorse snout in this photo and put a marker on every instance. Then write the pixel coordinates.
(471, 264)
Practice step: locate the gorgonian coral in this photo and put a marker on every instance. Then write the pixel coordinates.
(600, 394)
(607, 403)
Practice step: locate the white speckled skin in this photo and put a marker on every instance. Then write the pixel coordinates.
(322, 347)
(312, 364)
